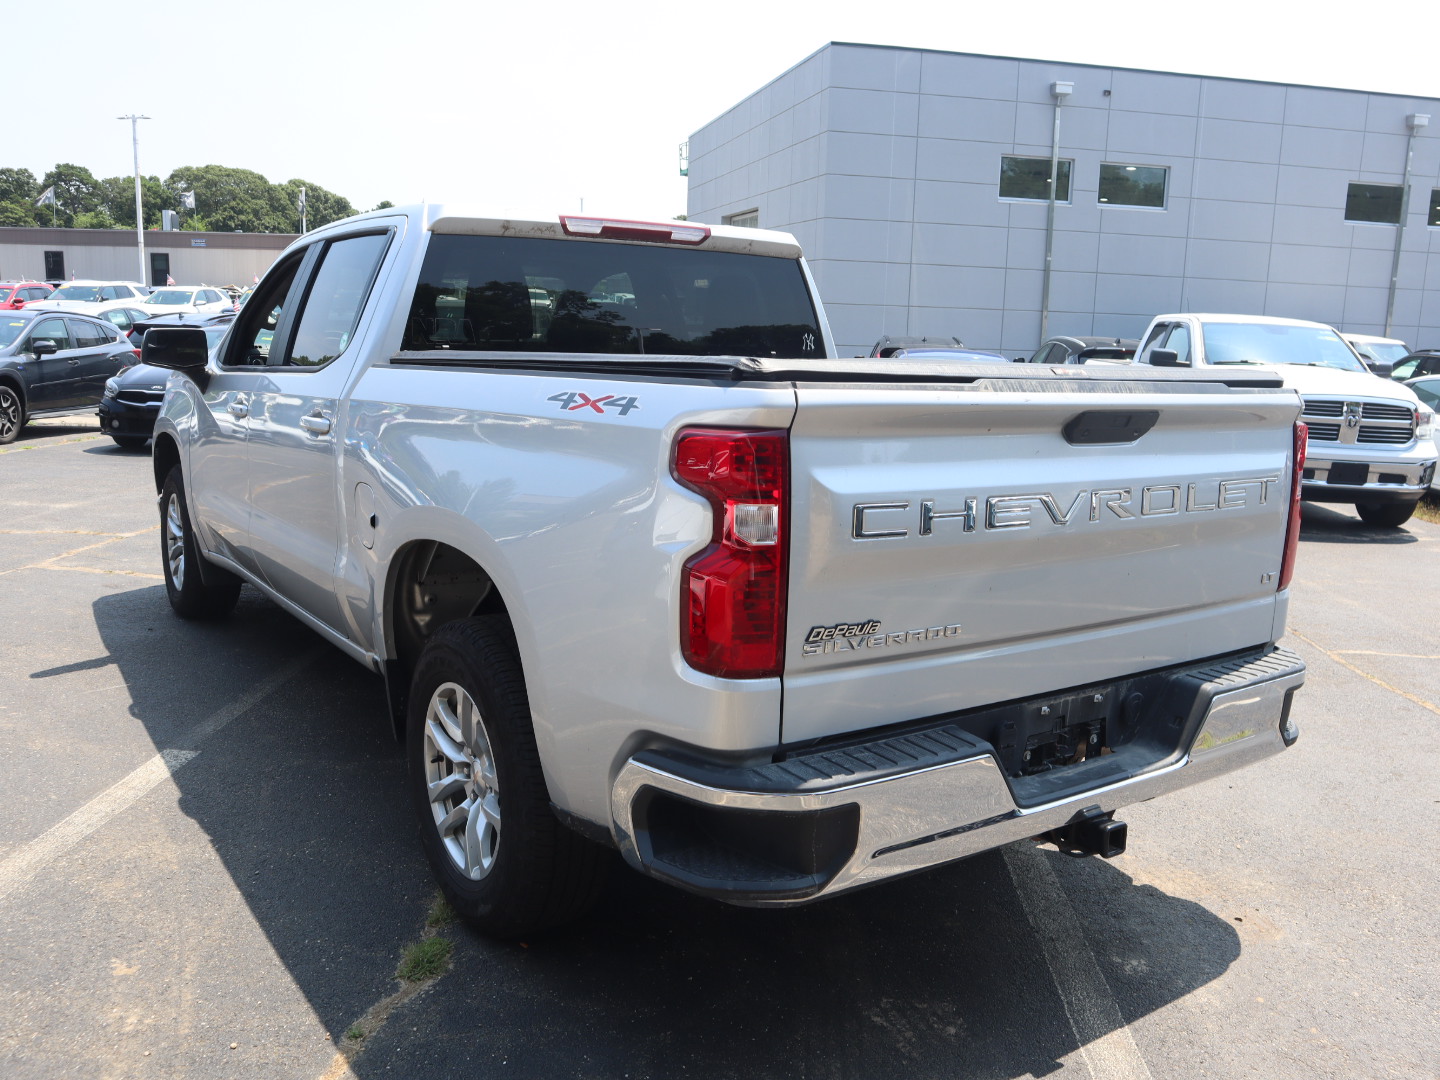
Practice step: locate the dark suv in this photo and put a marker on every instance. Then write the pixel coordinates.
(52, 363)
(131, 400)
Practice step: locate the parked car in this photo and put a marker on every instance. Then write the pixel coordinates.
(192, 298)
(1380, 354)
(948, 354)
(122, 313)
(73, 293)
(52, 363)
(131, 400)
(888, 344)
(1423, 362)
(1369, 439)
(1427, 389)
(16, 294)
(1064, 349)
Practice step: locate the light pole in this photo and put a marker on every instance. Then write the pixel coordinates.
(135, 119)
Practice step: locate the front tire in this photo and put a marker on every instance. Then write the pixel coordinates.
(12, 414)
(503, 860)
(130, 442)
(1385, 515)
(212, 596)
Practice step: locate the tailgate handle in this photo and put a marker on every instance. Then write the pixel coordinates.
(1105, 427)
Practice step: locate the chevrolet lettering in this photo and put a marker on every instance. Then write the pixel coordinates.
(1021, 511)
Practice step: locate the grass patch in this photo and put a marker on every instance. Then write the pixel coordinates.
(425, 960)
(441, 914)
(355, 1034)
(1429, 508)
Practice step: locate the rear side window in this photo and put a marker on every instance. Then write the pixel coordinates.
(540, 295)
(88, 335)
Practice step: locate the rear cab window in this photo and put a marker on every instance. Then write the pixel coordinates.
(529, 294)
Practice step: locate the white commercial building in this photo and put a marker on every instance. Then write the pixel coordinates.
(918, 183)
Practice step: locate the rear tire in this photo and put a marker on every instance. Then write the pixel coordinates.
(1385, 515)
(12, 414)
(191, 595)
(503, 860)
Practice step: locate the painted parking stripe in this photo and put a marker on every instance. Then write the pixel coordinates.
(1105, 1042)
(20, 866)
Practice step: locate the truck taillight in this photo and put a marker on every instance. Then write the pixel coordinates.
(1292, 528)
(732, 619)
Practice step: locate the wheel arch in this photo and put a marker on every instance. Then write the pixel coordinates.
(428, 583)
(164, 456)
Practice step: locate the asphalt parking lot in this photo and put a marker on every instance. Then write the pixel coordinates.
(207, 868)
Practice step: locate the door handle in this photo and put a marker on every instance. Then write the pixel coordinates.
(238, 408)
(72, 361)
(316, 424)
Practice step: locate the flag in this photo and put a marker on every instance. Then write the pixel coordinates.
(300, 203)
(255, 280)
(169, 280)
(187, 200)
(47, 197)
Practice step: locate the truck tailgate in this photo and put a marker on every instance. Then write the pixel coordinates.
(960, 546)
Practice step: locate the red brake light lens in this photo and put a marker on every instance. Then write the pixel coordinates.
(1292, 528)
(656, 232)
(734, 591)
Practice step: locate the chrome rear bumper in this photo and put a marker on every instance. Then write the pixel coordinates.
(830, 820)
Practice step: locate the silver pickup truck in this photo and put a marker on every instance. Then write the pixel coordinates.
(646, 567)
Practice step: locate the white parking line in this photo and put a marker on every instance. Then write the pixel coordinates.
(1105, 1042)
(20, 866)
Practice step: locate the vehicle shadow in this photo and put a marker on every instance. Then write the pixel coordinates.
(301, 797)
(1321, 524)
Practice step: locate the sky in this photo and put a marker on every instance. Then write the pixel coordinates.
(560, 106)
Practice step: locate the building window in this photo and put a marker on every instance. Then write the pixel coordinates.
(1434, 218)
(1133, 185)
(1029, 178)
(1377, 203)
(746, 219)
(54, 266)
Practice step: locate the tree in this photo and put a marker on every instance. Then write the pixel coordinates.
(119, 200)
(18, 186)
(76, 192)
(384, 204)
(17, 214)
(232, 199)
(321, 206)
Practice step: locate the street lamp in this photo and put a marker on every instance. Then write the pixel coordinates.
(139, 214)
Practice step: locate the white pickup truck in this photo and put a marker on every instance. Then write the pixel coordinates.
(1369, 441)
(646, 567)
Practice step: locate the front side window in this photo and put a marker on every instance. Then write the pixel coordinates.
(575, 296)
(259, 319)
(1029, 178)
(333, 305)
(1133, 185)
(1179, 340)
(52, 330)
(1377, 204)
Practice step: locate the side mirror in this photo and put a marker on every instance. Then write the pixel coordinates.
(44, 348)
(183, 349)
(1167, 358)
